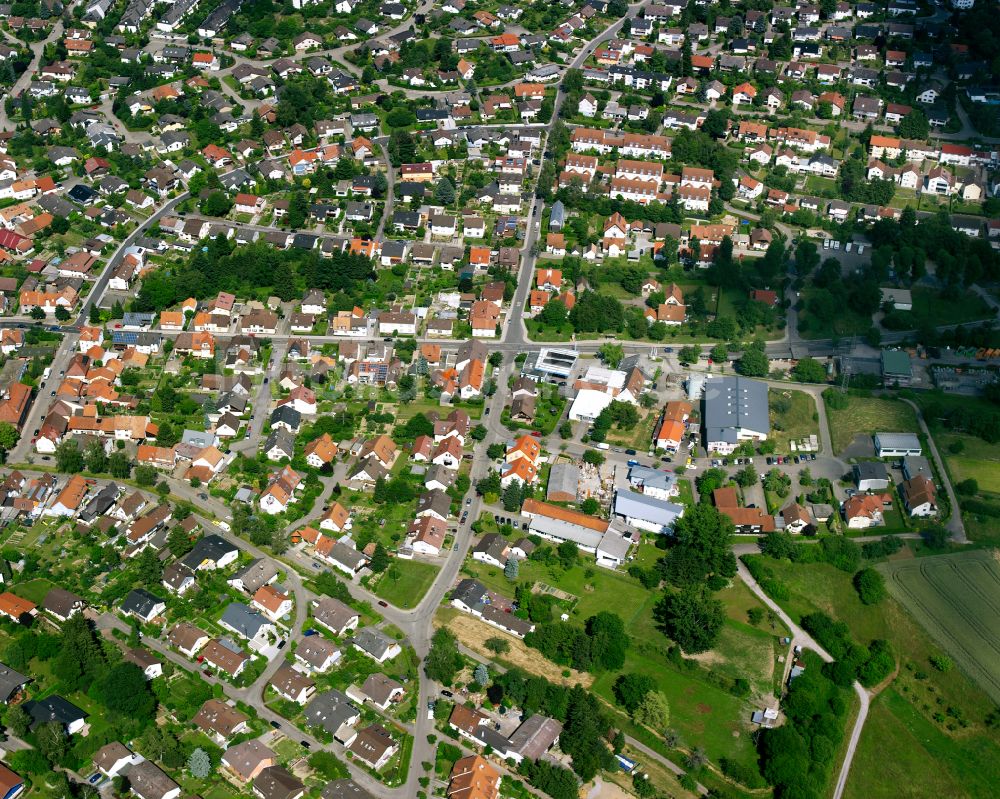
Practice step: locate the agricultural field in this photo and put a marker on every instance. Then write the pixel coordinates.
(868, 415)
(957, 599)
(926, 734)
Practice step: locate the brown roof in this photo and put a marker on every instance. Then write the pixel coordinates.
(372, 743)
(185, 635)
(725, 498)
(223, 657)
(466, 719)
(218, 717)
(244, 758)
(289, 682)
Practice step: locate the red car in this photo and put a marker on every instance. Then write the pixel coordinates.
(536, 434)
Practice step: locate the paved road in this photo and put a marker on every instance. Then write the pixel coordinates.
(37, 50)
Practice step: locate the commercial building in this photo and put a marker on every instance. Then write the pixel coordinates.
(735, 410)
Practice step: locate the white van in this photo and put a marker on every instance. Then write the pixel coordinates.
(848, 246)
(603, 445)
(826, 244)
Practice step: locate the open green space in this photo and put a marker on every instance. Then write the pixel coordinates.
(931, 308)
(977, 460)
(793, 416)
(983, 471)
(931, 719)
(957, 599)
(702, 711)
(639, 437)
(924, 760)
(404, 584)
(34, 590)
(869, 415)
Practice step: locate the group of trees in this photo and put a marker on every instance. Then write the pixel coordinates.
(959, 259)
(621, 415)
(978, 421)
(639, 695)
(80, 662)
(852, 661)
(796, 758)
(253, 269)
(70, 459)
(443, 661)
(599, 645)
(699, 561)
(586, 729)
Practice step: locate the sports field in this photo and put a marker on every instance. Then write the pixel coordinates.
(957, 599)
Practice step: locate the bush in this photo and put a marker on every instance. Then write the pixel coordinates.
(775, 589)
(968, 488)
(742, 773)
(841, 552)
(941, 662)
(879, 665)
(870, 586)
(935, 536)
(883, 548)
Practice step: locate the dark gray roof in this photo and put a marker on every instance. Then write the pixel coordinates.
(140, 602)
(330, 710)
(471, 592)
(53, 708)
(373, 641)
(208, 548)
(870, 470)
(243, 620)
(10, 682)
(734, 403)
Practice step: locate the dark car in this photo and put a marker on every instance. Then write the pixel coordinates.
(630, 452)
(276, 724)
(306, 744)
(383, 604)
(447, 693)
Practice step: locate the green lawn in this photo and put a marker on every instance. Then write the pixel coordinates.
(986, 472)
(869, 415)
(904, 729)
(817, 185)
(795, 422)
(931, 308)
(33, 590)
(639, 437)
(924, 760)
(405, 583)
